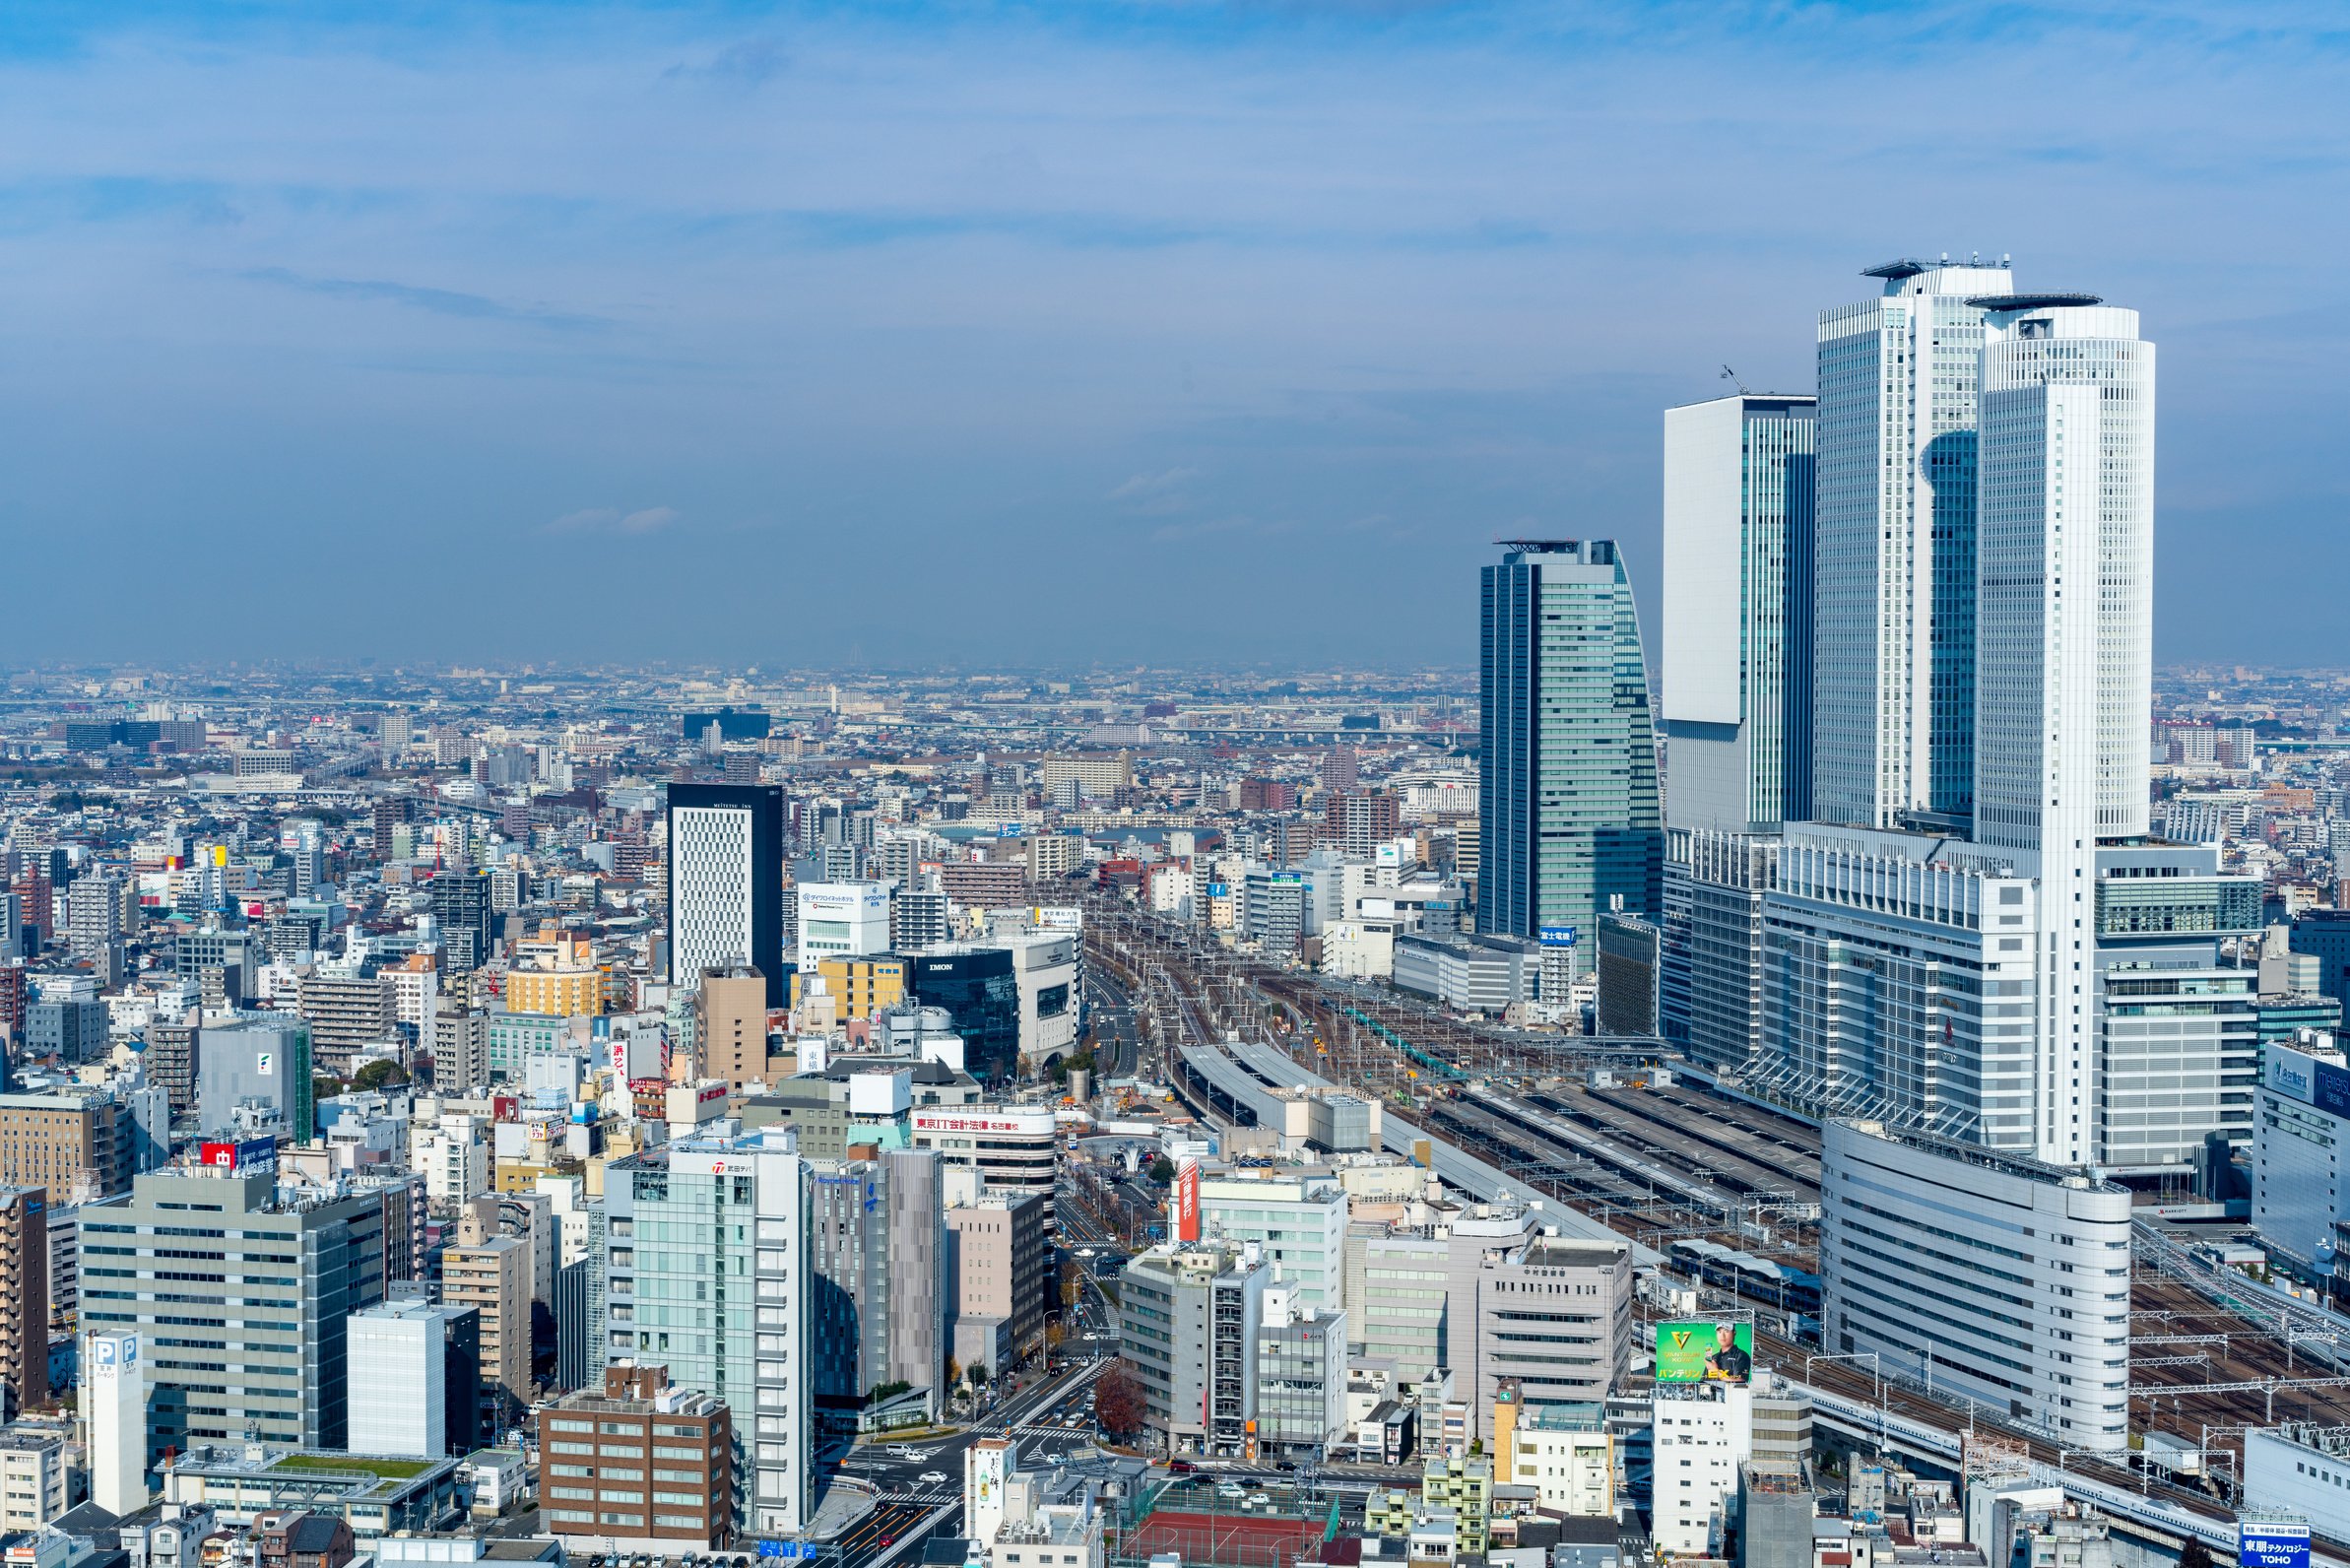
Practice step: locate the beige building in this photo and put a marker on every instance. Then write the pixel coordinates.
(1000, 1269)
(730, 1024)
(77, 1143)
(492, 1274)
(32, 1480)
(556, 993)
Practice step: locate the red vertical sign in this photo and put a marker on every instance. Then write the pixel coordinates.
(1187, 1202)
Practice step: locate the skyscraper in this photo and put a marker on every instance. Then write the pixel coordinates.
(1894, 650)
(1737, 612)
(726, 881)
(2065, 680)
(1569, 816)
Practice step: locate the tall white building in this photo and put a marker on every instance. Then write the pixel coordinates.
(402, 1346)
(724, 863)
(2065, 680)
(841, 920)
(115, 1403)
(1737, 652)
(1702, 1434)
(1995, 1276)
(1894, 649)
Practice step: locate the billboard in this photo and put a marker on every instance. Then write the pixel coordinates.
(253, 1154)
(2272, 1543)
(1558, 936)
(1187, 1200)
(1704, 1352)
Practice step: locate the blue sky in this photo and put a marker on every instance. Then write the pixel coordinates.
(997, 333)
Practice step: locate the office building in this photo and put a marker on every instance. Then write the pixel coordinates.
(865, 985)
(841, 920)
(1710, 995)
(465, 914)
(33, 1480)
(730, 1024)
(979, 988)
(24, 1299)
(73, 1029)
(1014, 1147)
(224, 1363)
(2325, 935)
(460, 1049)
(2064, 682)
(1297, 1224)
(431, 1353)
(492, 1274)
(1001, 1266)
(1396, 1286)
(725, 881)
(2301, 1180)
(1277, 909)
(878, 1258)
(1550, 1316)
(1737, 654)
(1044, 971)
(255, 1061)
(78, 1143)
(1569, 814)
(1777, 1504)
(641, 1465)
(1358, 822)
(1894, 554)
(1189, 1323)
(1562, 1450)
(1301, 1379)
(706, 1273)
(1480, 972)
(1700, 1434)
(1630, 969)
(1991, 1276)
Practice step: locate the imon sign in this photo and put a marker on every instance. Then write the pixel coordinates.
(2270, 1544)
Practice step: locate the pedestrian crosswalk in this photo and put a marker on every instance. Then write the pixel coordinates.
(925, 1497)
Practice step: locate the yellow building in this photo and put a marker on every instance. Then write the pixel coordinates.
(558, 993)
(861, 986)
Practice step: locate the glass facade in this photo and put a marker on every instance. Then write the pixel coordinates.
(1570, 813)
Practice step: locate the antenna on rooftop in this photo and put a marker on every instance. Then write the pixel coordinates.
(1732, 376)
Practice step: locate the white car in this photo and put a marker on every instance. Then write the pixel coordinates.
(934, 1478)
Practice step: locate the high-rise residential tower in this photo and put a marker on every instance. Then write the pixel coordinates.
(1569, 815)
(1894, 612)
(1737, 655)
(726, 881)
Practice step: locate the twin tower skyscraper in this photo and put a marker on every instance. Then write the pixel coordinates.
(1867, 610)
(1905, 696)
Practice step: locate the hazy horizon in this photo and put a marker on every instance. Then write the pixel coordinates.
(1206, 335)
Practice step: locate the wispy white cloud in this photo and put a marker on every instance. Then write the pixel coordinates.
(612, 520)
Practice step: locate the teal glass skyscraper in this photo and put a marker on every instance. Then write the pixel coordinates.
(1569, 815)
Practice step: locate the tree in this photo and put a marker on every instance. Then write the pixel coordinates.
(977, 1374)
(1117, 1401)
(2194, 1554)
(1162, 1170)
(383, 1073)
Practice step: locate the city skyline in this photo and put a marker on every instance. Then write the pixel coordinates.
(1141, 292)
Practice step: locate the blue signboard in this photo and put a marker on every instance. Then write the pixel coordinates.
(2332, 1093)
(1012, 829)
(1558, 936)
(2268, 1544)
(786, 1548)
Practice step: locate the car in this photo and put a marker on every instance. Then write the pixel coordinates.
(887, 1540)
(934, 1478)
(1286, 1465)
(1255, 1500)
(1230, 1489)
(1180, 1466)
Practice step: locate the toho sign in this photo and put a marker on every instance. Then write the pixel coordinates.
(2272, 1543)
